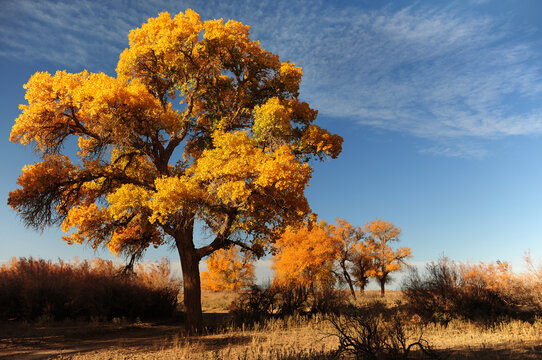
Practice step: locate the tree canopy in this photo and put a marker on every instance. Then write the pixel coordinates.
(379, 235)
(318, 254)
(305, 256)
(199, 124)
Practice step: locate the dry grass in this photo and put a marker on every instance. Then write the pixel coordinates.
(216, 302)
(295, 337)
(506, 340)
(299, 338)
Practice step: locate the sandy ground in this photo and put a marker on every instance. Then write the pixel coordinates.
(21, 341)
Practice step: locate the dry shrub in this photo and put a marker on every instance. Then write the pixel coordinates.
(291, 298)
(31, 289)
(295, 299)
(434, 296)
(328, 300)
(254, 305)
(484, 292)
(531, 294)
(280, 300)
(375, 331)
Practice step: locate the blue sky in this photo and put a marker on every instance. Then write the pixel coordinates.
(439, 104)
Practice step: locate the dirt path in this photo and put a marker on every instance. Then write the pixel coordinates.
(20, 341)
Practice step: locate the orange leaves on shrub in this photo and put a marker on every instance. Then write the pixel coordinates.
(495, 284)
(228, 270)
(492, 277)
(477, 291)
(156, 275)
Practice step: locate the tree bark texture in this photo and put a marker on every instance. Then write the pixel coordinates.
(191, 281)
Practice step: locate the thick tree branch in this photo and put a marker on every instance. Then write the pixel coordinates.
(221, 240)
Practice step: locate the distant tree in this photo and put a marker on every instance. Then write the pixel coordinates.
(349, 242)
(363, 264)
(306, 257)
(200, 124)
(228, 270)
(379, 235)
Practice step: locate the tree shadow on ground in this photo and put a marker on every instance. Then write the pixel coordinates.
(22, 340)
(505, 350)
(35, 341)
(47, 340)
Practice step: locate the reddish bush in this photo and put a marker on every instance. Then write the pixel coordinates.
(473, 291)
(31, 288)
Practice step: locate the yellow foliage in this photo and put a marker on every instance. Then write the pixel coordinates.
(305, 256)
(199, 123)
(386, 260)
(348, 236)
(89, 220)
(382, 231)
(317, 254)
(272, 119)
(228, 270)
(292, 75)
(172, 194)
(127, 199)
(493, 277)
(37, 178)
(87, 105)
(321, 141)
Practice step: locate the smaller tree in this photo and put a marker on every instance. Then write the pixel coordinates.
(379, 234)
(305, 257)
(363, 264)
(348, 238)
(228, 270)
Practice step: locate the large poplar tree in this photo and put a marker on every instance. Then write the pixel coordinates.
(199, 125)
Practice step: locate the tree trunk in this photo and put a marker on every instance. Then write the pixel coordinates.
(348, 279)
(191, 281)
(382, 284)
(362, 290)
(362, 284)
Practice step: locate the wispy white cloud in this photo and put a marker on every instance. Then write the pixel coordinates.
(75, 34)
(462, 149)
(431, 75)
(436, 72)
